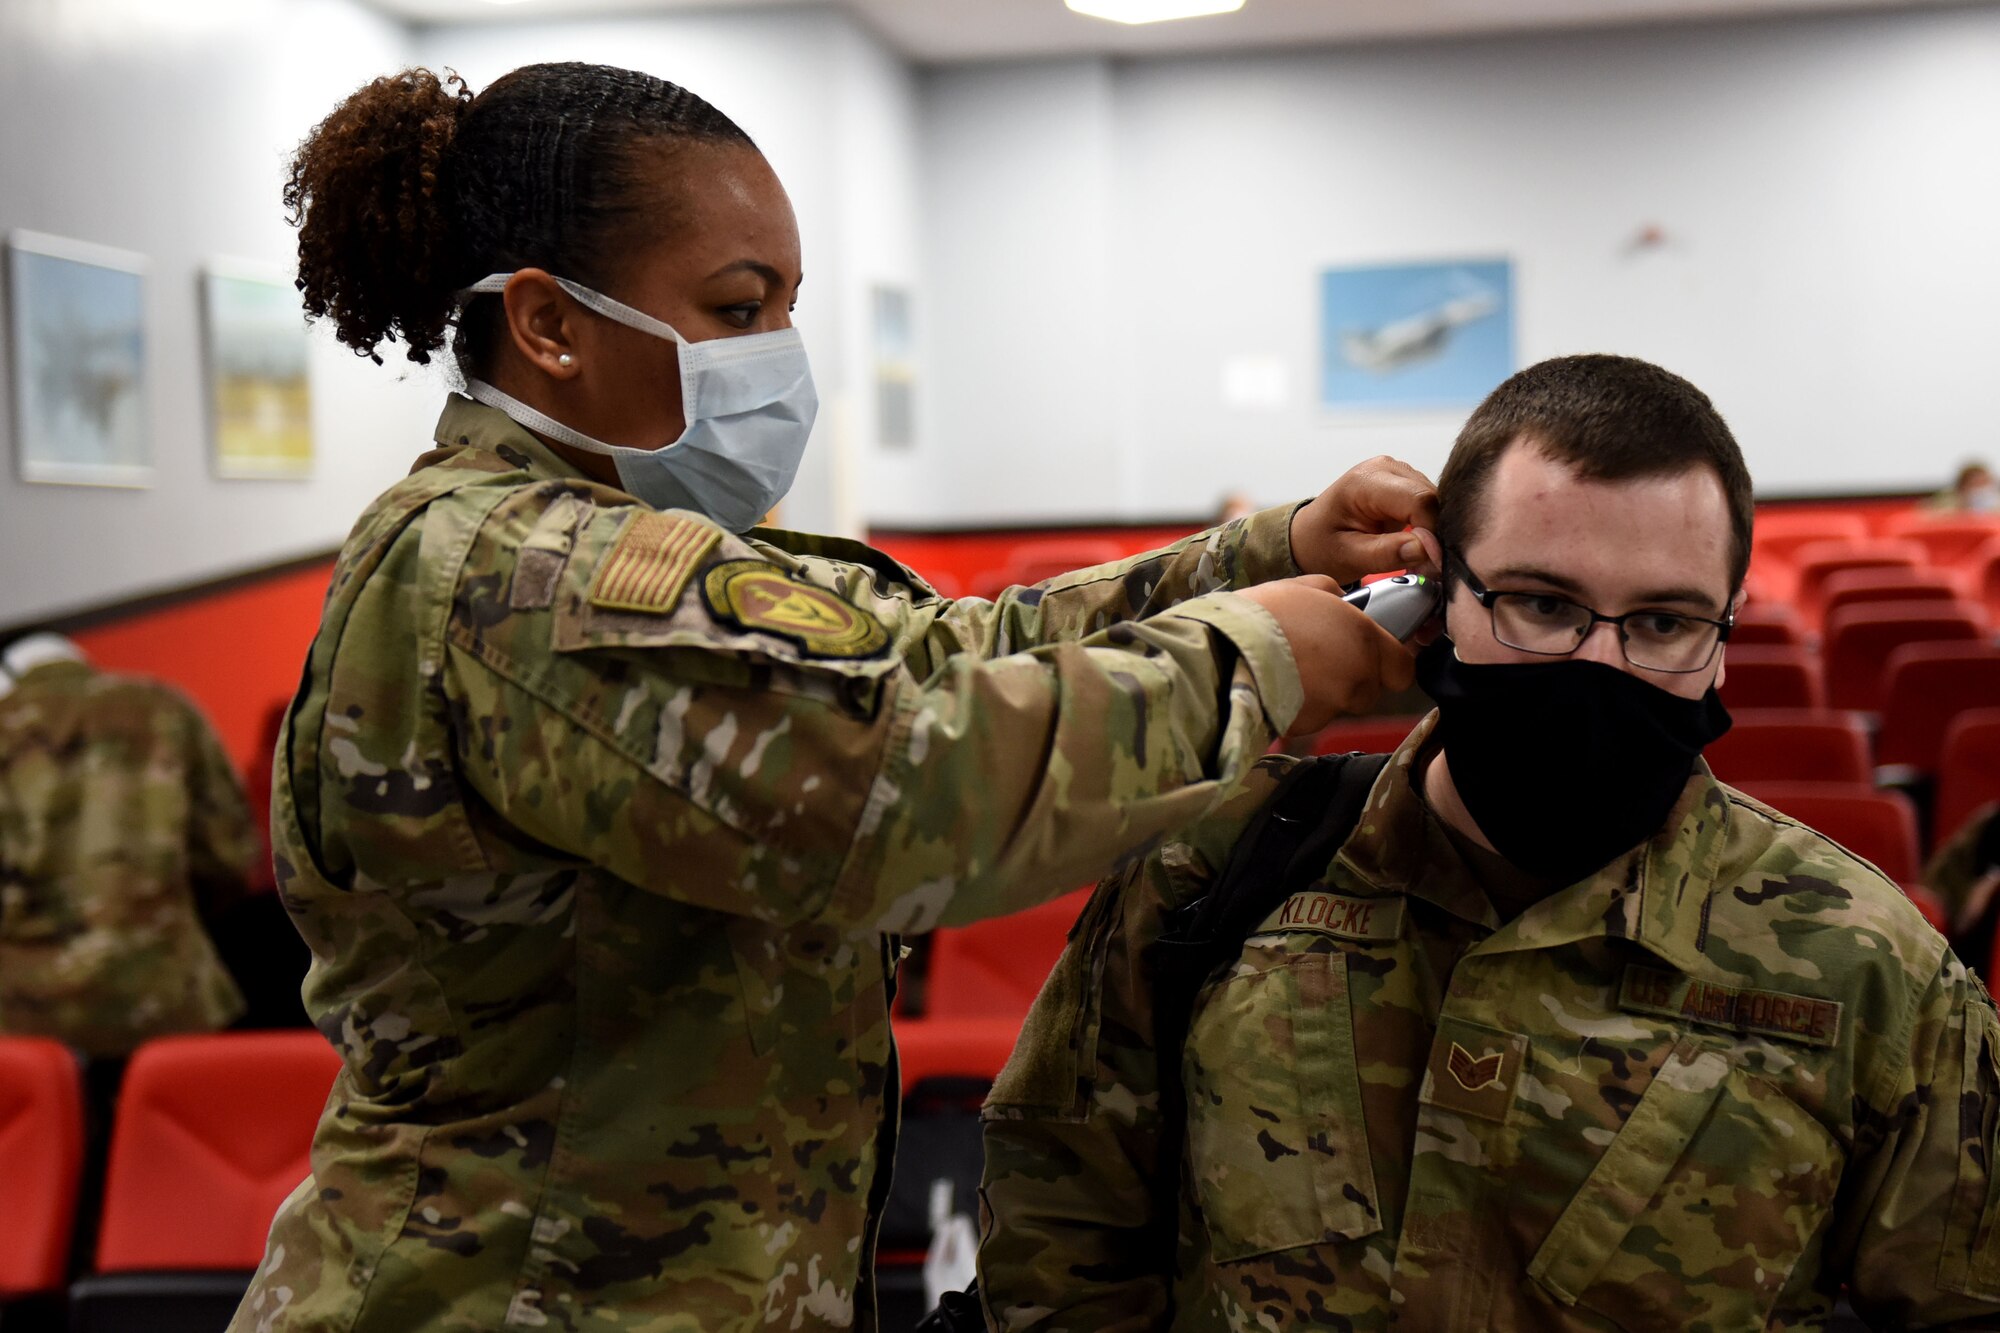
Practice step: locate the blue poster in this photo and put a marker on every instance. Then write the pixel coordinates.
(1415, 336)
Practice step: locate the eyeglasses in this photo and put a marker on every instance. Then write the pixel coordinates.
(1552, 626)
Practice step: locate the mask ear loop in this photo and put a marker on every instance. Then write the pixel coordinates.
(616, 311)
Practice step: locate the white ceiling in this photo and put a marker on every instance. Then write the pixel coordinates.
(950, 31)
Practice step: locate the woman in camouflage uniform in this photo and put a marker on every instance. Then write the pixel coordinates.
(602, 813)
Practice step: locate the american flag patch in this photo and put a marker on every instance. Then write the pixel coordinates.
(650, 562)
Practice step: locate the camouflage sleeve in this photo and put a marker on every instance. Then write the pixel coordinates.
(1239, 554)
(1074, 1238)
(1924, 1194)
(790, 776)
(222, 843)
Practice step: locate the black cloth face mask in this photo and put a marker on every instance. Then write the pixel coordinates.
(1564, 764)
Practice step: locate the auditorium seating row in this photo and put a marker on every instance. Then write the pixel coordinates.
(211, 1134)
(1795, 555)
(1841, 617)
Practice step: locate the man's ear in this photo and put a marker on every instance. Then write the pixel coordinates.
(539, 316)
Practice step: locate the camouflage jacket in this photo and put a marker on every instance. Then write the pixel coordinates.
(121, 824)
(600, 822)
(1696, 1091)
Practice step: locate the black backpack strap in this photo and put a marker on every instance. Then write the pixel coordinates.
(1292, 837)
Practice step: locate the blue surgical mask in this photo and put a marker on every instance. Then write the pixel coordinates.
(749, 405)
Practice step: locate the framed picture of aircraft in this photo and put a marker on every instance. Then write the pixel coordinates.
(1415, 337)
(77, 350)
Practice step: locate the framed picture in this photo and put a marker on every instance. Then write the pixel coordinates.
(895, 369)
(1428, 336)
(259, 388)
(77, 339)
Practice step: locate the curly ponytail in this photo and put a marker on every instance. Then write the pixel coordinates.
(413, 189)
(366, 192)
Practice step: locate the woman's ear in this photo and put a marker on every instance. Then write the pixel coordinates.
(541, 322)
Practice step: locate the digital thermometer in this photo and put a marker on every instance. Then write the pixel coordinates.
(1400, 605)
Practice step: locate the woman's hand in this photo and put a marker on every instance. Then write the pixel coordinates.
(1357, 525)
(1346, 661)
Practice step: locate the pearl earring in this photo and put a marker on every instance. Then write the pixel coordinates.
(565, 360)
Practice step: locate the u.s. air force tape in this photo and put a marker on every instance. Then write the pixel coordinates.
(1770, 1013)
(756, 595)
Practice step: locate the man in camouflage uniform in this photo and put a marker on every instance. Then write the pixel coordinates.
(601, 822)
(1698, 1088)
(122, 825)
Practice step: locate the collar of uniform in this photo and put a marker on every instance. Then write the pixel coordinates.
(1655, 895)
(1400, 848)
(465, 424)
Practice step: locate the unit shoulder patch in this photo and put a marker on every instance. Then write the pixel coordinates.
(1768, 1013)
(650, 561)
(757, 595)
(1373, 920)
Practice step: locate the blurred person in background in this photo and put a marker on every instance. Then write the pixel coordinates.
(1973, 491)
(602, 809)
(123, 830)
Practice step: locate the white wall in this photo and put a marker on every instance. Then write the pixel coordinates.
(834, 111)
(1099, 237)
(1086, 241)
(1027, 400)
(163, 129)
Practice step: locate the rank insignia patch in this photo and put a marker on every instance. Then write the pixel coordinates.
(1473, 1070)
(1473, 1075)
(650, 562)
(760, 596)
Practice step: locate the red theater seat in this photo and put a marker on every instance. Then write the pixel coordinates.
(1032, 561)
(212, 1133)
(996, 968)
(1859, 640)
(1925, 686)
(1880, 827)
(1780, 533)
(1368, 735)
(1948, 539)
(1968, 770)
(1782, 744)
(1820, 561)
(968, 1048)
(1759, 676)
(41, 1156)
(1981, 575)
(1766, 624)
(1883, 583)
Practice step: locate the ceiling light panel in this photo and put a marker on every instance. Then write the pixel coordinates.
(1152, 11)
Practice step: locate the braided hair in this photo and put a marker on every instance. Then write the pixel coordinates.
(413, 189)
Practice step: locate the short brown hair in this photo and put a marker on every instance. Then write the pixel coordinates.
(1611, 418)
